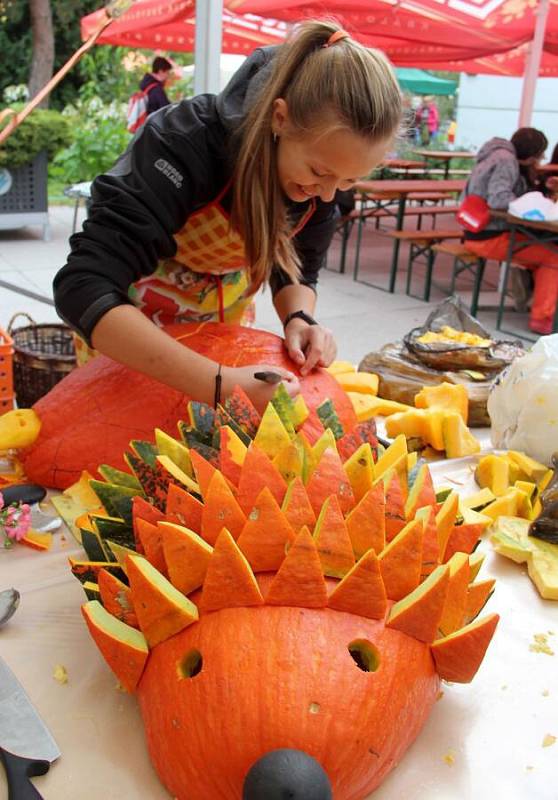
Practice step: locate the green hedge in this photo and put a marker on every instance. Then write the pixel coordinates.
(42, 130)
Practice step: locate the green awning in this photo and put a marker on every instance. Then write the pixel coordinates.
(421, 82)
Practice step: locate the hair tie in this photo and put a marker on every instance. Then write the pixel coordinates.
(337, 36)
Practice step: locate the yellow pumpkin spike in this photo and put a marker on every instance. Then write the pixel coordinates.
(272, 435)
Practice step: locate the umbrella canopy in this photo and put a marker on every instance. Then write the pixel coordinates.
(420, 82)
(170, 25)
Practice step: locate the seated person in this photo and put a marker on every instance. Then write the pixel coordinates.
(505, 169)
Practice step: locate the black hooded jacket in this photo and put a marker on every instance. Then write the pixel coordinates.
(156, 96)
(179, 161)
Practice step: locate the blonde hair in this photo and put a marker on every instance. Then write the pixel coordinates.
(345, 84)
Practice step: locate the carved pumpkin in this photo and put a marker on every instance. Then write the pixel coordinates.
(258, 675)
(88, 418)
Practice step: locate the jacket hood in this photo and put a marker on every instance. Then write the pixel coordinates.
(235, 100)
(497, 143)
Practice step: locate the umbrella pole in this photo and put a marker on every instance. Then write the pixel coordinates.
(207, 53)
(532, 66)
(112, 12)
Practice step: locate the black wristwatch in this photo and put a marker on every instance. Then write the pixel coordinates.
(299, 315)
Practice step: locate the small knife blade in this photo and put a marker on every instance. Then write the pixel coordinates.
(27, 747)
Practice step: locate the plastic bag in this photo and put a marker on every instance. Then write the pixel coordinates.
(534, 206)
(523, 403)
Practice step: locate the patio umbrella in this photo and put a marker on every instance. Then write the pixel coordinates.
(420, 82)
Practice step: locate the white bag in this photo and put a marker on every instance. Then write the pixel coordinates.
(523, 403)
(534, 206)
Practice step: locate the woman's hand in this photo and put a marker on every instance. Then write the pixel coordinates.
(309, 346)
(259, 392)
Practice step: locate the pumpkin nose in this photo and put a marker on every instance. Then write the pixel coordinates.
(286, 775)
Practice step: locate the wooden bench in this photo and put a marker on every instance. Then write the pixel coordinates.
(423, 244)
(464, 259)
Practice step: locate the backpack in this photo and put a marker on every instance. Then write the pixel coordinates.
(137, 108)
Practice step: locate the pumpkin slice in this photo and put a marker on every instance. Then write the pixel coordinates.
(401, 560)
(152, 544)
(186, 555)
(231, 454)
(478, 596)
(419, 613)
(175, 450)
(297, 508)
(272, 435)
(361, 433)
(339, 367)
(395, 505)
(463, 539)
(454, 608)
(362, 590)
(360, 471)
(92, 544)
(300, 412)
(430, 551)
(117, 598)
(183, 508)
(332, 540)
(327, 479)
(241, 409)
(458, 439)
(91, 590)
(329, 418)
(203, 470)
(154, 482)
(367, 522)
(391, 456)
(229, 581)
(505, 506)
(120, 478)
(290, 461)
(202, 417)
(459, 655)
(123, 647)
(327, 439)
(446, 396)
(493, 472)
(299, 580)
(266, 534)
(141, 509)
(445, 520)
(109, 493)
(421, 494)
(119, 553)
(283, 405)
(360, 382)
(176, 474)
(89, 570)
(162, 610)
(475, 563)
(257, 473)
(220, 510)
(38, 541)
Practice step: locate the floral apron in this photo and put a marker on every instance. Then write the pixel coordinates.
(205, 281)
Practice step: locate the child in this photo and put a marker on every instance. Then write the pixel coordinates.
(218, 196)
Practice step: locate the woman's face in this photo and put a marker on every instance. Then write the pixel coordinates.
(318, 164)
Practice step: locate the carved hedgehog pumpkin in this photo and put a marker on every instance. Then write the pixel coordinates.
(270, 661)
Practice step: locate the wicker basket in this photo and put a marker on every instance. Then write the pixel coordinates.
(43, 355)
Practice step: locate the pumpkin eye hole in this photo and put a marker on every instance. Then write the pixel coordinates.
(365, 655)
(191, 665)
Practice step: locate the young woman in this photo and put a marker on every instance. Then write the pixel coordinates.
(503, 171)
(218, 196)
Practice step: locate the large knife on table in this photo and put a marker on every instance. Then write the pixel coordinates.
(27, 748)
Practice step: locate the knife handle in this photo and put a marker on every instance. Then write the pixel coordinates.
(18, 772)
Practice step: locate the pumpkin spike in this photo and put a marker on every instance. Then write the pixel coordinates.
(299, 580)
(332, 540)
(162, 610)
(290, 461)
(154, 482)
(272, 435)
(124, 648)
(232, 454)
(395, 505)
(327, 479)
(183, 508)
(283, 405)
(454, 607)
(401, 560)
(152, 545)
(362, 590)
(430, 551)
(421, 493)
(478, 596)
(175, 450)
(141, 509)
(187, 556)
(203, 470)
(297, 508)
(459, 655)
(202, 418)
(419, 613)
(366, 523)
(463, 539)
(169, 469)
(116, 598)
(266, 534)
(257, 473)
(229, 581)
(360, 471)
(220, 510)
(241, 409)
(445, 520)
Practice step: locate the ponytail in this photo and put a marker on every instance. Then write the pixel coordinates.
(324, 79)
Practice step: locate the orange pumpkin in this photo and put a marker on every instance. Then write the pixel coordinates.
(90, 417)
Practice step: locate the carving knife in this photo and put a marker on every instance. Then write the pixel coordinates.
(27, 747)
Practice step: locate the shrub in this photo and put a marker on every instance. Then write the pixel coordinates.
(42, 130)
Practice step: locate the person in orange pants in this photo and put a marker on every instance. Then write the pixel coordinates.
(506, 169)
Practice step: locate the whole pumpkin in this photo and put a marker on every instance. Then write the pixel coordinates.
(90, 417)
(283, 677)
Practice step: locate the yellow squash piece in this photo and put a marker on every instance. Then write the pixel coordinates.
(494, 472)
(458, 439)
(391, 458)
(510, 537)
(272, 435)
(362, 382)
(367, 406)
(19, 428)
(340, 367)
(445, 396)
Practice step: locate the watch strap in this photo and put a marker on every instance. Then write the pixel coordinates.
(299, 315)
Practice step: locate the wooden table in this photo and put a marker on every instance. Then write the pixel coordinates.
(544, 234)
(405, 165)
(397, 190)
(444, 157)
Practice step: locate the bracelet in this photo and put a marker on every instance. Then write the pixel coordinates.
(299, 315)
(218, 381)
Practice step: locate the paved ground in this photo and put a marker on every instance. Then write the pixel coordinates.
(361, 317)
